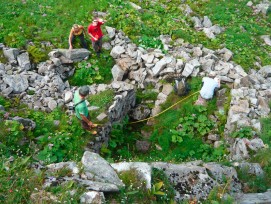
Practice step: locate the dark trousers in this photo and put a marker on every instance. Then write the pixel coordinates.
(97, 45)
(82, 40)
(84, 124)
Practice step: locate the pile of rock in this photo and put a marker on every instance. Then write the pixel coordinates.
(206, 26)
(192, 180)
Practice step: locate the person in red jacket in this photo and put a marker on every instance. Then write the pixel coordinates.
(96, 34)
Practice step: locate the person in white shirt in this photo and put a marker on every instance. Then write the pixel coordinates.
(208, 89)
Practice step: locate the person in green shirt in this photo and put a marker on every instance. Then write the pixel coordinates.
(81, 109)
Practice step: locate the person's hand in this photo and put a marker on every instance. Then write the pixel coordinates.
(70, 48)
(90, 124)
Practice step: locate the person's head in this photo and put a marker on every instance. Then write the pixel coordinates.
(84, 91)
(95, 21)
(75, 27)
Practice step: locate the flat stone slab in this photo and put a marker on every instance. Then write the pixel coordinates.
(259, 198)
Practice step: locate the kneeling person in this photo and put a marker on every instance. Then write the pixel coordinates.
(208, 89)
(81, 109)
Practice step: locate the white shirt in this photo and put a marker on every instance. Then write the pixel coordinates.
(208, 88)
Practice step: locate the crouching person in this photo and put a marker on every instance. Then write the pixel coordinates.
(208, 88)
(81, 109)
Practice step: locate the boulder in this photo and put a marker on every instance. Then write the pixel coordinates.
(76, 55)
(206, 22)
(188, 180)
(117, 73)
(140, 112)
(251, 198)
(117, 51)
(23, 61)
(265, 71)
(160, 65)
(94, 163)
(220, 173)
(111, 32)
(18, 83)
(27, 123)
(11, 53)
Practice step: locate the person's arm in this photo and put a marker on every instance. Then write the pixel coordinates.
(91, 36)
(70, 39)
(84, 118)
(101, 21)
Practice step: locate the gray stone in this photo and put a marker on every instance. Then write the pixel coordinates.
(68, 97)
(23, 61)
(251, 168)
(56, 61)
(259, 198)
(93, 163)
(250, 3)
(27, 123)
(117, 73)
(111, 31)
(143, 146)
(106, 46)
(197, 22)
(140, 112)
(265, 71)
(213, 137)
(18, 83)
(220, 173)
(148, 58)
(206, 22)
(117, 51)
(167, 89)
(11, 53)
(92, 197)
(143, 170)
(266, 39)
(159, 66)
(187, 179)
(208, 32)
(263, 106)
(52, 104)
(75, 55)
(99, 186)
(101, 116)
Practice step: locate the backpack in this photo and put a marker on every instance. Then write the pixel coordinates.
(74, 106)
(181, 88)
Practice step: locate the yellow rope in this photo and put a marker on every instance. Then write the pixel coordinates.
(165, 109)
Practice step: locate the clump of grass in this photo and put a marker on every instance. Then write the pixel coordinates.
(102, 100)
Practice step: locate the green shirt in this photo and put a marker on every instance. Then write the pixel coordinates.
(80, 108)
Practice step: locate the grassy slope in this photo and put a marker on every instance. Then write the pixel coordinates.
(42, 20)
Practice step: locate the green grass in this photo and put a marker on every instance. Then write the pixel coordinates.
(102, 100)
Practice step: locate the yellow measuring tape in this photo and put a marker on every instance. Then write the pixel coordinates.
(165, 109)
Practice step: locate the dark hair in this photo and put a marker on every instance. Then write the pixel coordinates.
(84, 91)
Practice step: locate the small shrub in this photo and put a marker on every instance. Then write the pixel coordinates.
(36, 54)
(245, 132)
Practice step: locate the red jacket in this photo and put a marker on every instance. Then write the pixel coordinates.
(95, 31)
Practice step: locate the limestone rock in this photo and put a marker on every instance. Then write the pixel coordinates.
(23, 61)
(93, 163)
(18, 83)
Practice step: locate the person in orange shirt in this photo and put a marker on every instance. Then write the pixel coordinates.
(96, 34)
(77, 31)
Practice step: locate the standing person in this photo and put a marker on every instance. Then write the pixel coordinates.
(77, 31)
(208, 89)
(81, 109)
(96, 34)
